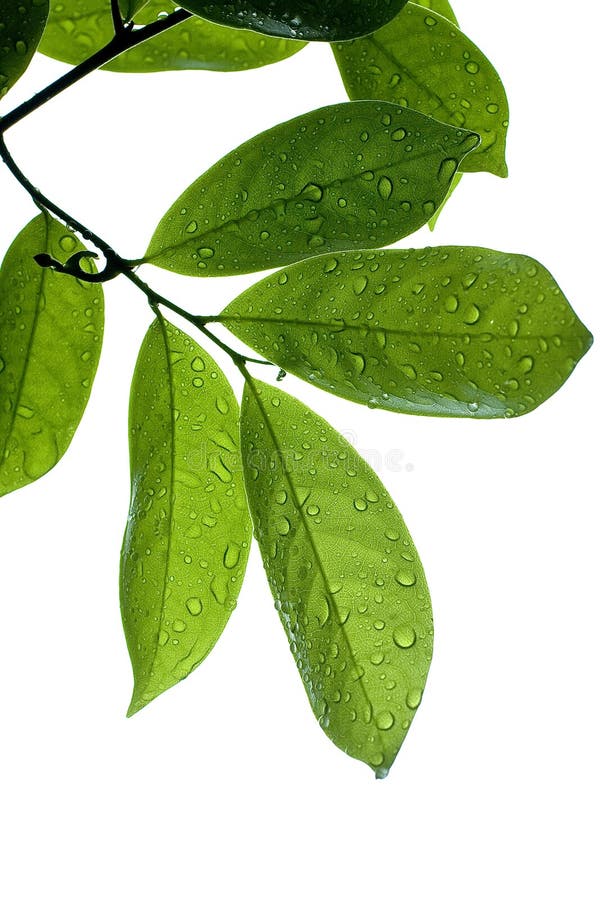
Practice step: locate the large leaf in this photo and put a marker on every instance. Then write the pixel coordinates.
(351, 175)
(50, 338)
(442, 7)
(333, 20)
(345, 575)
(21, 27)
(77, 28)
(188, 532)
(446, 331)
(423, 61)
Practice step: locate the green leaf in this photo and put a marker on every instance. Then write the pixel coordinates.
(351, 175)
(333, 20)
(130, 7)
(77, 28)
(423, 61)
(445, 331)
(188, 533)
(44, 392)
(435, 218)
(442, 7)
(346, 578)
(21, 27)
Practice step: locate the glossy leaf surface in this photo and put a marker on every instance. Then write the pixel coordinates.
(423, 61)
(333, 20)
(50, 339)
(352, 175)
(445, 331)
(442, 7)
(344, 573)
(77, 28)
(188, 532)
(130, 7)
(21, 27)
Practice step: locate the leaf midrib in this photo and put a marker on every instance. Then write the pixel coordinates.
(335, 329)
(163, 331)
(34, 327)
(193, 239)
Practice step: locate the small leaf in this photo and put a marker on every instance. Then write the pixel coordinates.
(50, 339)
(334, 20)
(77, 28)
(188, 533)
(445, 331)
(442, 7)
(344, 573)
(21, 27)
(423, 61)
(351, 175)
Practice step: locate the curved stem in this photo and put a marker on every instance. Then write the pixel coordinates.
(125, 38)
(116, 264)
(41, 200)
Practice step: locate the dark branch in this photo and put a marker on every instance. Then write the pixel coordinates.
(122, 41)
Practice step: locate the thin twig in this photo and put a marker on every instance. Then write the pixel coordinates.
(124, 40)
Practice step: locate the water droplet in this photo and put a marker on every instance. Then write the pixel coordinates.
(413, 698)
(231, 556)
(385, 187)
(312, 192)
(384, 721)
(360, 284)
(67, 243)
(447, 170)
(283, 525)
(405, 577)
(471, 314)
(399, 134)
(194, 606)
(360, 504)
(404, 636)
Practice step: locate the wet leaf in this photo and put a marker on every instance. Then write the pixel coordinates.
(445, 331)
(442, 7)
(344, 573)
(188, 532)
(21, 27)
(352, 175)
(77, 28)
(423, 61)
(50, 339)
(335, 20)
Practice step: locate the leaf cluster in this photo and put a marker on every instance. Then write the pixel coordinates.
(446, 331)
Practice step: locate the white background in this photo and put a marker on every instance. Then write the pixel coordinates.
(225, 786)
